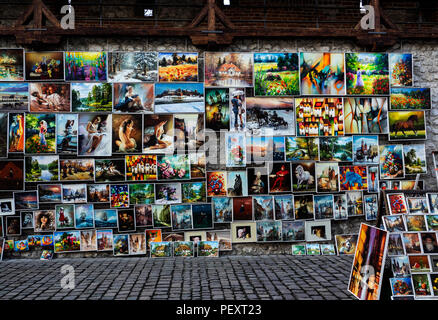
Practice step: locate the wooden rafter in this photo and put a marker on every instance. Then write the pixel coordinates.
(36, 11)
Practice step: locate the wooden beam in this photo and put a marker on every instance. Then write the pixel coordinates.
(211, 15)
(199, 17)
(223, 18)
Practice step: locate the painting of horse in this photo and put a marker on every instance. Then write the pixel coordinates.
(407, 125)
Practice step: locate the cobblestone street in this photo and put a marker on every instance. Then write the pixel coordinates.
(228, 277)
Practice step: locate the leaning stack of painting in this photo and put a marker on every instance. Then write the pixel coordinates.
(114, 151)
(412, 223)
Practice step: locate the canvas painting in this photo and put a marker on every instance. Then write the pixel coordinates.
(65, 216)
(181, 97)
(371, 243)
(222, 209)
(133, 98)
(44, 65)
(67, 133)
(141, 167)
(16, 132)
(14, 96)
(85, 66)
(276, 74)
(141, 193)
(158, 133)
(41, 168)
(49, 97)
(178, 66)
(415, 158)
(407, 125)
(94, 135)
(109, 170)
(126, 133)
(410, 98)
(74, 193)
(12, 172)
(365, 149)
(189, 131)
(11, 65)
(270, 116)
(335, 149)
(98, 193)
(76, 170)
(228, 69)
(366, 115)
(367, 73)
(391, 161)
(67, 241)
(91, 97)
(132, 66)
(23, 200)
(319, 117)
(40, 133)
(298, 148)
(401, 69)
(322, 73)
(217, 108)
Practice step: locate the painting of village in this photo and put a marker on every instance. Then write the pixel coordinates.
(228, 69)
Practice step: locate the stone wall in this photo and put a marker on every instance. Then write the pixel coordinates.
(425, 74)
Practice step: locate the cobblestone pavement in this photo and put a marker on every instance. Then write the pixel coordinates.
(227, 277)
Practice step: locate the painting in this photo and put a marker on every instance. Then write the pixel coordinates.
(353, 178)
(322, 73)
(16, 133)
(11, 65)
(228, 69)
(303, 206)
(173, 167)
(237, 109)
(194, 192)
(84, 216)
(126, 133)
(222, 209)
(14, 96)
(137, 243)
(141, 167)
(119, 196)
(335, 149)
(242, 208)
(268, 231)
(67, 133)
(299, 148)
(319, 117)
(105, 240)
(303, 176)
(94, 135)
(12, 175)
(366, 115)
(318, 230)
(216, 183)
(91, 97)
(40, 133)
(276, 74)
(270, 116)
(401, 69)
(44, 65)
(134, 66)
(415, 158)
(323, 206)
(367, 73)
(391, 161)
(141, 193)
(189, 131)
(76, 170)
(365, 149)
(85, 66)
(41, 168)
(109, 170)
(74, 193)
(177, 66)
(410, 98)
(368, 265)
(133, 98)
(217, 108)
(158, 133)
(88, 240)
(327, 177)
(67, 241)
(279, 177)
(407, 125)
(180, 97)
(65, 216)
(235, 148)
